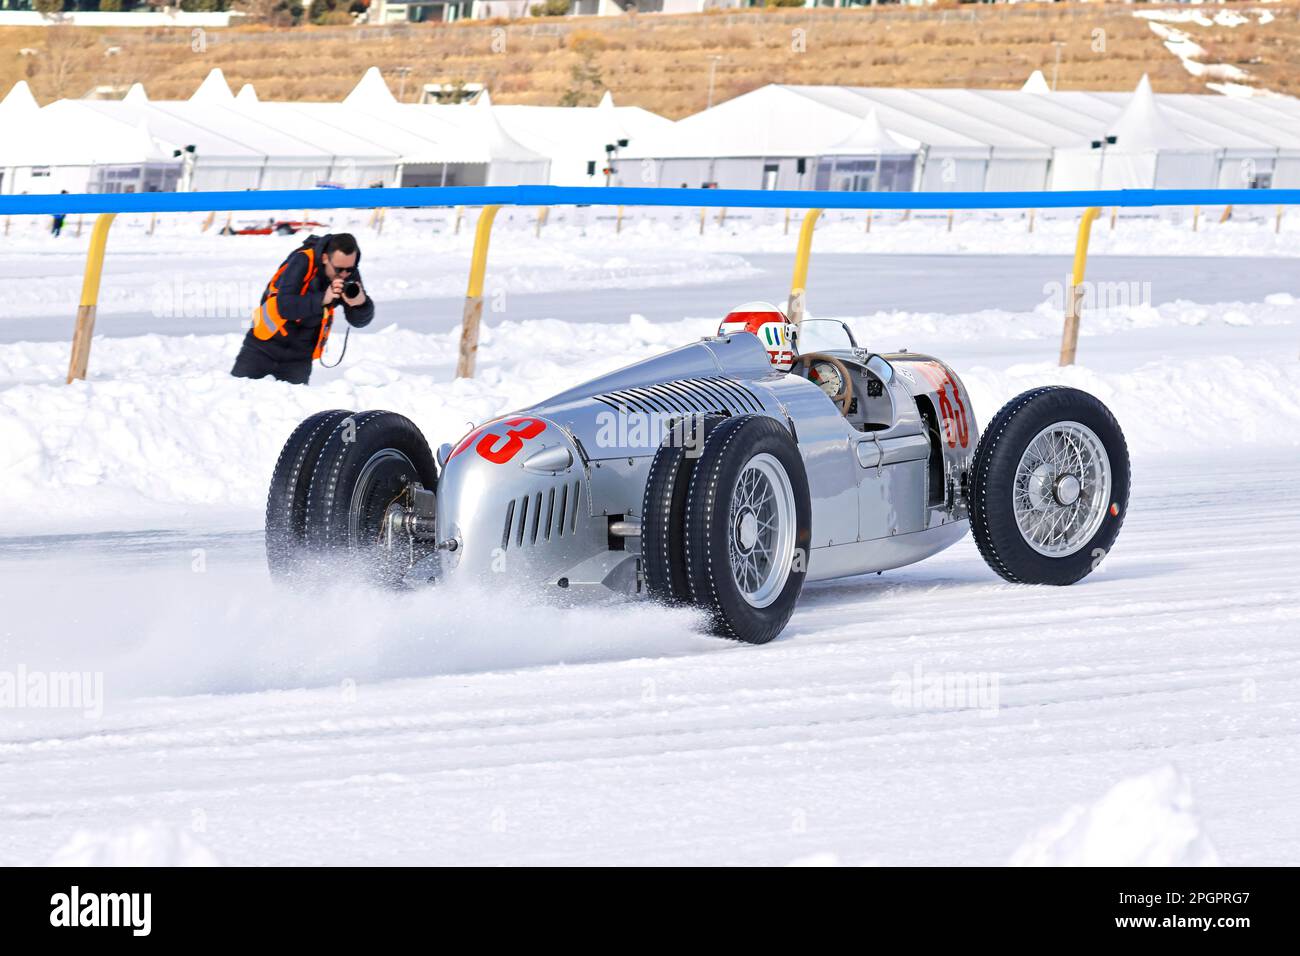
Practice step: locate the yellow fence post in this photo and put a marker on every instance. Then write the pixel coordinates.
(869, 212)
(1114, 214)
(722, 216)
(460, 214)
(787, 223)
(1074, 297)
(78, 226)
(207, 223)
(950, 220)
(1227, 213)
(1277, 226)
(1032, 213)
(85, 327)
(153, 221)
(543, 213)
(618, 222)
(704, 212)
(1196, 219)
(799, 283)
(473, 315)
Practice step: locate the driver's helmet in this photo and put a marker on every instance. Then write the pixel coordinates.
(771, 326)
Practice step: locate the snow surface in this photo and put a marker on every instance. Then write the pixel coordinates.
(152, 844)
(1148, 820)
(243, 725)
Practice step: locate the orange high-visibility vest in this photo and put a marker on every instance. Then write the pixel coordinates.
(267, 322)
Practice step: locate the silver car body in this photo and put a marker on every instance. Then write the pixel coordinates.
(552, 495)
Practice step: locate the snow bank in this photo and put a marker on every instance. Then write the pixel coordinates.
(1147, 820)
(152, 844)
(161, 426)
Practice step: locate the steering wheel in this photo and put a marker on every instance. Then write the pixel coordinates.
(844, 397)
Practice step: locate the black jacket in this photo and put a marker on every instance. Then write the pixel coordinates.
(303, 312)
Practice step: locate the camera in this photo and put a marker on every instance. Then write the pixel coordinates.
(351, 289)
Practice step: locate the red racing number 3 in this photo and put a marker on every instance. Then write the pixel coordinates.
(517, 432)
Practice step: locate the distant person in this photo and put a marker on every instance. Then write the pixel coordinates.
(57, 228)
(292, 325)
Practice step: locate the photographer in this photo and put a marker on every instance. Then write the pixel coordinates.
(292, 324)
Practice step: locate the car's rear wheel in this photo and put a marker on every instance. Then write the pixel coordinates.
(748, 528)
(365, 481)
(1049, 487)
(286, 502)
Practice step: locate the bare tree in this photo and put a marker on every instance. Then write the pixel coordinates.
(66, 51)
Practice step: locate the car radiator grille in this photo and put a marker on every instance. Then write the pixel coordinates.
(692, 396)
(542, 516)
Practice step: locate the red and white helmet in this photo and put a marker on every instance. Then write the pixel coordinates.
(769, 324)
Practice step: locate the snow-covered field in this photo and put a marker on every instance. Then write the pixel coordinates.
(1150, 714)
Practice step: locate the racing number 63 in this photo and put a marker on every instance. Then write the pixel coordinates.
(518, 430)
(939, 377)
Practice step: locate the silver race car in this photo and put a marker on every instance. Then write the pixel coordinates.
(720, 475)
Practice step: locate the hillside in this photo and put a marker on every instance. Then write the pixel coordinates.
(662, 63)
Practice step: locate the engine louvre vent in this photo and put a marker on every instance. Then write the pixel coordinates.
(691, 396)
(542, 516)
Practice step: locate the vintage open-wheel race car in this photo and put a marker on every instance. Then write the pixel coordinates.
(721, 475)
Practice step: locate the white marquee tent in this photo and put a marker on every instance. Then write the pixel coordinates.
(48, 152)
(573, 137)
(975, 140)
(776, 137)
(1141, 149)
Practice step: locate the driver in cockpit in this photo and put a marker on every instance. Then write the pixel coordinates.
(770, 324)
(780, 337)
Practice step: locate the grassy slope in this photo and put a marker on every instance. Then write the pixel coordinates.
(662, 63)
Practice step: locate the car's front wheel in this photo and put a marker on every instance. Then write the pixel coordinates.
(1049, 487)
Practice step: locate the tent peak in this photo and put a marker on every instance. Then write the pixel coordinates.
(370, 91)
(214, 88)
(606, 101)
(246, 94)
(19, 98)
(1037, 83)
(136, 94)
(868, 137)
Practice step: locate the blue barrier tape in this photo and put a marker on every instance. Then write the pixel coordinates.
(629, 196)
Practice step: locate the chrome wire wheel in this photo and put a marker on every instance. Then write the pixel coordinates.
(762, 530)
(1061, 489)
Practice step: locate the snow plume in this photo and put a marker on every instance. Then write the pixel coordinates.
(228, 629)
(1147, 820)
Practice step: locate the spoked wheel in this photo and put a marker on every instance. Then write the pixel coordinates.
(1049, 487)
(1061, 489)
(748, 528)
(762, 530)
(370, 499)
